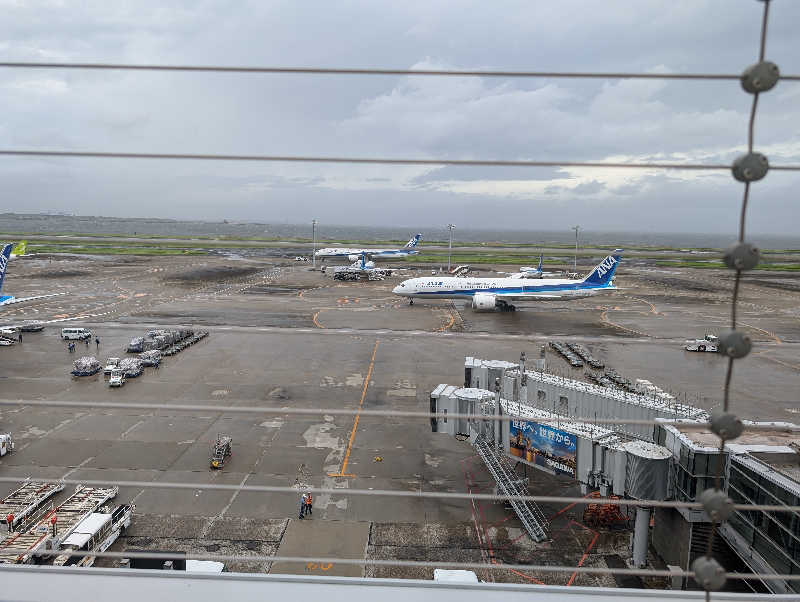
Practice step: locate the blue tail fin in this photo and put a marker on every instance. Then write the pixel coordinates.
(604, 272)
(413, 242)
(539, 267)
(5, 255)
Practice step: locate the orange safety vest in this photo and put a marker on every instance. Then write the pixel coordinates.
(309, 499)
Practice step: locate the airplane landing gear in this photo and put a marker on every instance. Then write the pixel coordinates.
(411, 301)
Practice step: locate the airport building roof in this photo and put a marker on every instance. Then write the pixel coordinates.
(657, 403)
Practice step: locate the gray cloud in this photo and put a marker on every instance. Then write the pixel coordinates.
(395, 116)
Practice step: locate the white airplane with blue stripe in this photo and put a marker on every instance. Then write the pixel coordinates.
(355, 254)
(488, 294)
(527, 271)
(5, 256)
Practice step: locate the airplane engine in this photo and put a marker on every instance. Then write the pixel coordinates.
(354, 257)
(484, 302)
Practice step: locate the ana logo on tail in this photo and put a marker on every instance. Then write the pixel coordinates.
(413, 242)
(606, 265)
(602, 274)
(4, 256)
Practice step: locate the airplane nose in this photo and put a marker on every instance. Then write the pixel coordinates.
(396, 290)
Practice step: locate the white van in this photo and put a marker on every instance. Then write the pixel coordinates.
(75, 333)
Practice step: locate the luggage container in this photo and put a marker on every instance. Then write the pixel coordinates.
(86, 366)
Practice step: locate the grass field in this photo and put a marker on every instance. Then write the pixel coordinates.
(484, 253)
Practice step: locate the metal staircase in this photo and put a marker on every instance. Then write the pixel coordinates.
(528, 512)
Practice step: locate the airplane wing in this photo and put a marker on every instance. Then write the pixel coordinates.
(15, 300)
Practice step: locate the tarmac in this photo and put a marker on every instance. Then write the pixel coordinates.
(287, 337)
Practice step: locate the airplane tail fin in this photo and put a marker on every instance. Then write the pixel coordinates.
(605, 270)
(20, 249)
(413, 242)
(539, 267)
(363, 261)
(5, 255)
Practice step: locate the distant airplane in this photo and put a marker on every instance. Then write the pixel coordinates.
(19, 250)
(355, 254)
(488, 294)
(5, 256)
(361, 269)
(527, 272)
(362, 263)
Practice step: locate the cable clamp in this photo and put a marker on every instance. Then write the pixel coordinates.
(741, 256)
(750, 167)
(726, 426)
(717, 504)
(760, 77)
(708, 573)
(734, 343)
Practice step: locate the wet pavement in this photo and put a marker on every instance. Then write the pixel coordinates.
(287, 337)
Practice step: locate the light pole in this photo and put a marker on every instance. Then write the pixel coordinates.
(576, 228)
(450, 246)
(314, 243)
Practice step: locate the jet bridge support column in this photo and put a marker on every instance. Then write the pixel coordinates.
(641, 532)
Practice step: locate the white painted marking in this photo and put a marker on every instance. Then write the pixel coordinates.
(78, 467)
(125, 434)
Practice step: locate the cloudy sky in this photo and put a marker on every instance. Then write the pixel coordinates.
(465, 118)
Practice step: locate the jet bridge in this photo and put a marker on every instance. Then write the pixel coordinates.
(615, 462)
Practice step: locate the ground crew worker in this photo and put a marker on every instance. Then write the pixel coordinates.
(97, 342)
(303, 506)
(309, 502)
(20, 336)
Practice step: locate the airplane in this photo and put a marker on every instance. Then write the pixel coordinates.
(355, 254)
(361, 269)
(5, 256)
(527, 272)
(19, 250)
(362, 263)
(488, 294)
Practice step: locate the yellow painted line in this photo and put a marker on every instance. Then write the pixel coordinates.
(652, 307)
(604, 318)
(316, 322)
(787, 364)
(772, 335)
(449, 323)
(342, 472)
(776, 360)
